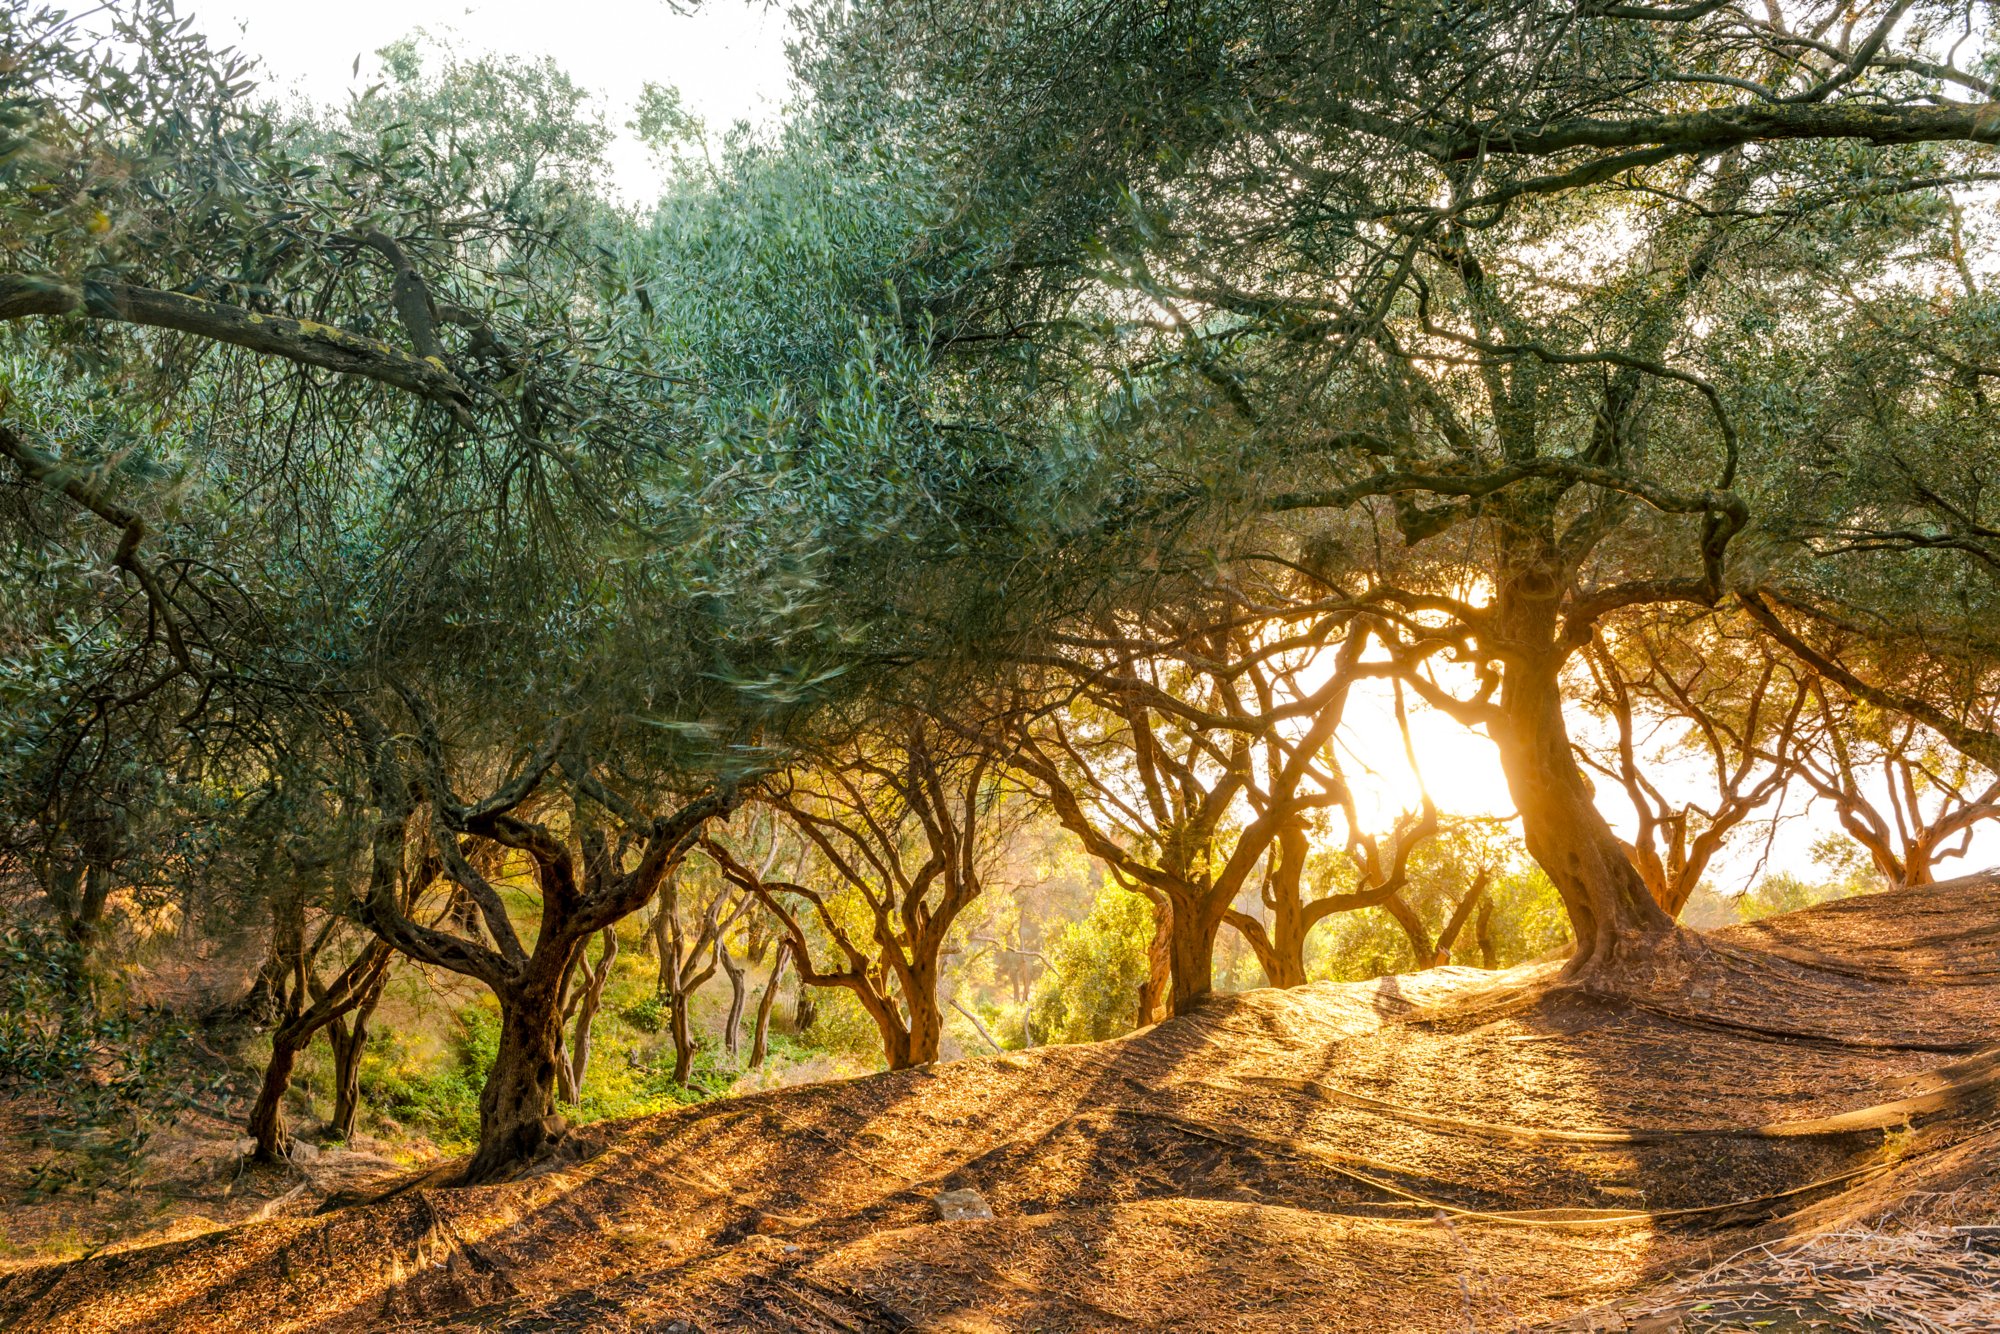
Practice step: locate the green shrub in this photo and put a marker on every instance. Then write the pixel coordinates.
(440, 1100)
(99, 1079)
(648, 1015)
(1096, 967)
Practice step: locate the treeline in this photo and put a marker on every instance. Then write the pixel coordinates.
(416, 556)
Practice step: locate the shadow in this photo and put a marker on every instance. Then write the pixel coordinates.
(1422, 1151)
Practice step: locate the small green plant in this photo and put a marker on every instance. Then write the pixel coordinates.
(104, 1076)
(441, 1100)
(648, 1015)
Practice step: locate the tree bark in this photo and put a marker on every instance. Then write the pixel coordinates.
(683, 1035)
(350, 1039)
(267, 1113)
(1613, 915)
(1191, 943)
(1155, 993)
(360, 981)
(588, 1002)
(517, 1116)
(1422, 948)
(732, 1026)
(760, 1042)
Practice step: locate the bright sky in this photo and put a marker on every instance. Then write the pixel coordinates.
(727, 58)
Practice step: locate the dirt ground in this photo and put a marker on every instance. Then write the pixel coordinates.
(1792, 1128)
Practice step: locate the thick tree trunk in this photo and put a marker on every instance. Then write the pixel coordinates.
(1191, 944)
(517, 1116)
(1156, 992)
(1612, 914)
(805, 1009)
(1489, 955)
(926, 1015)
(760, 1042)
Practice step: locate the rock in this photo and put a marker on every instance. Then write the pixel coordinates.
(957, 1206)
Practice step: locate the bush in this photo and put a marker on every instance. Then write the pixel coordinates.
(648, 1015)
(1096, 967)
(442, 1101)
(104, 1078)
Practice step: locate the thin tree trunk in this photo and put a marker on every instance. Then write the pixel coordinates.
(760, 1042)
(267, 1114)
(360, 980)
(1489, 957)
(683, 1036)
(589, 1001)
(1156, 991)
(1421, 948)
(349, 1041)
(1459, 915)
(739, 992)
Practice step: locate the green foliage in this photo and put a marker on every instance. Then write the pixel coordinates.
(648, 1014)
(1096, 967)
(98, 1080)
(1782, 893)
(441, 1100)
(841, 1025)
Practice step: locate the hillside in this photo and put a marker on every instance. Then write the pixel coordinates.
(1803, 1123)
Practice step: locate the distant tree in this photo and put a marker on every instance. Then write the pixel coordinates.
(1697, 691)
(903, 828)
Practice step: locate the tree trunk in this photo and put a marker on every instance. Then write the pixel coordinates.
(1156, 991)
(349, 1041)
(1452, 928)
(1612, 914)
(760, 1042)
(1489, 956)
(359, 983)
(517, 1116)
(267, 1114)
(926, 1026)
(663, 948)
(683, 1036)
(1421, 948)
(1286, 966)
(588, 1003)
(1191, 943)
(738, 995)
(805, 1009)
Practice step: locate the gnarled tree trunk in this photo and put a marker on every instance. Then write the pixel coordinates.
(1611, 911)
(350, 1039)
(517, 1107)
(732, 1025)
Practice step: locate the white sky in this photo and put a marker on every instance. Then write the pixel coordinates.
(727, 58)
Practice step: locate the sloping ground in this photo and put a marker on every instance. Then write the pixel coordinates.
(1804, 1122)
